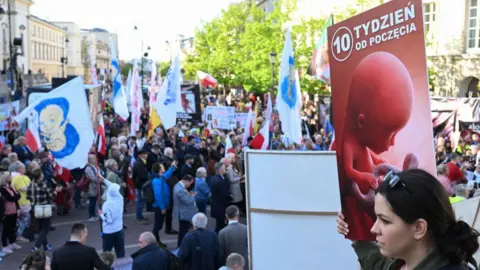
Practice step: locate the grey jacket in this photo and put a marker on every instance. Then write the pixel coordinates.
(91, 174)
(234, 239)
(234, 179)
(184, 207)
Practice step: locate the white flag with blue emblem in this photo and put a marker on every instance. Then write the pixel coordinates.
(168, 101)
(64, 123)
(119, 98)
(289, 99)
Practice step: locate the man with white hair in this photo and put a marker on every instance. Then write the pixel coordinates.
(150, 256)
(234, 262)
(200, 247)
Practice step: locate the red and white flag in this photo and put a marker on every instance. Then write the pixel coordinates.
(248, 131)
(206, 79)
(229, 146)
(262, 139)
(32, 136)
(102, 143)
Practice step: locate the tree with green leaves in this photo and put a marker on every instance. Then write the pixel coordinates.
(126, 69)
(217, 47)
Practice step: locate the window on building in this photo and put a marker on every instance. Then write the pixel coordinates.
(473, 33)
(429, 16)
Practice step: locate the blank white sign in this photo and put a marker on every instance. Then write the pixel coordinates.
(294, 180)
(292, 202)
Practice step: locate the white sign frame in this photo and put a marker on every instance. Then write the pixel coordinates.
(305, 193)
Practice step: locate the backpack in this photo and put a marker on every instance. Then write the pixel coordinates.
(2, 208)
(147, 192)
(174, 262)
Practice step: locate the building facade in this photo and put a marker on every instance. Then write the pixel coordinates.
(73, 53)
(47, 48)
(14, 24)
(100, 43)
(453, 46)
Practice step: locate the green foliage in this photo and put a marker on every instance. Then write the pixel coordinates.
(235, 47)
(163, 67)
(126, 68)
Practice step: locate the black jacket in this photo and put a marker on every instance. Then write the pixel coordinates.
(139, 173)
(76, 256)
(151, 257)
(200, 250)
(188, 169)
(220, 198)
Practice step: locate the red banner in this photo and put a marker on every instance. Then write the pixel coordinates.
(381, 103)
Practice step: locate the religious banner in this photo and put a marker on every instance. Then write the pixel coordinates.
(381, 104)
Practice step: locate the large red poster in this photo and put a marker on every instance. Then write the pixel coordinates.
(381, 103)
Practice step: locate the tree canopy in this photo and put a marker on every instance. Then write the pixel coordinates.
(235, 47)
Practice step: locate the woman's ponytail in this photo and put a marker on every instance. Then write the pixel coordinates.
(459, 242)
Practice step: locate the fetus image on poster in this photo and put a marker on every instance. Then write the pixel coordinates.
(59, 136)
(380, 104)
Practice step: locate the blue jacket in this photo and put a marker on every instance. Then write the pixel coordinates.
(202, 189)
(161, 190)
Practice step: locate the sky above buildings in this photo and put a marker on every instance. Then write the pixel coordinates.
(157, 20)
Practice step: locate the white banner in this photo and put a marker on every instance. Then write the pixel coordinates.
(7, 112)
(221, 117)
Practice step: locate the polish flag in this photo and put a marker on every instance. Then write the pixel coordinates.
(102, 143)
(32, 136)
(206, 79)
(262, 139)
(229, 146)
(248, 130)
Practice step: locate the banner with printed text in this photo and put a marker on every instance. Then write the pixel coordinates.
(381, 104)
(221, 117)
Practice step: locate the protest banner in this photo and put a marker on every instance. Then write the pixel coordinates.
(191, 110)
(7, 112)
(381, 103)
(221, 117)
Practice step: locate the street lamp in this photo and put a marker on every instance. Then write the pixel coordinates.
(273, 61)
(64, 58)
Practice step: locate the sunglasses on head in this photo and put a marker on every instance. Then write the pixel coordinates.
(394, 180)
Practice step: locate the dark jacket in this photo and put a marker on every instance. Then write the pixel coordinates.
(152, 158)
(200, 250)
(369, 257)
(76, 256)
(220, 196)
(151, 257)
(139, 173)
(188, 169)
(23, 153)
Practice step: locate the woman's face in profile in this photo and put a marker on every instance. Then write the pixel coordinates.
(394, 237)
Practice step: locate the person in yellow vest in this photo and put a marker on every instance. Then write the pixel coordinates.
(461, 194)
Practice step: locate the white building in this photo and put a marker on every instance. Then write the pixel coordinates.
(15, 23)
(74, 49)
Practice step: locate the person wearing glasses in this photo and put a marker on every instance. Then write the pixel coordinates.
(415, 227)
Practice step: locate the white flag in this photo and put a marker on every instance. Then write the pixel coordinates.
(168, 101)
(64, 121)
(289, 99)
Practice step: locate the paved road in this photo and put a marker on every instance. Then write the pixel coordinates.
(63, 225)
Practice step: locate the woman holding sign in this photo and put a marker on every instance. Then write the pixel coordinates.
(415, 228)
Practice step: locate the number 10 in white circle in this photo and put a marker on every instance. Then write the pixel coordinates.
(342, 44)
